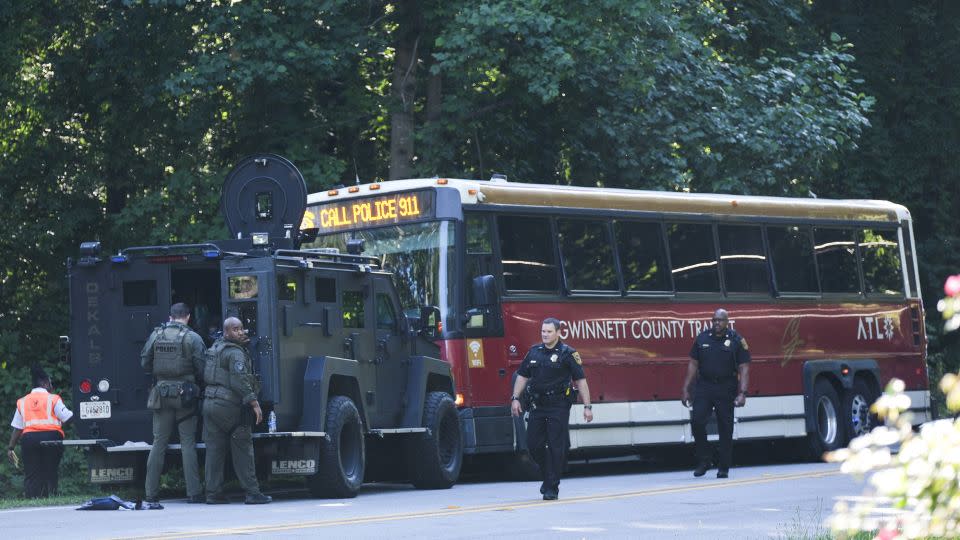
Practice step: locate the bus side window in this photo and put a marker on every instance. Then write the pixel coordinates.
(587, 255)
(527, 253)
(693, 256)
(837, 260)
(744, 264)
(643, 258)
(479, 250)
(880, 261)
(791, 252)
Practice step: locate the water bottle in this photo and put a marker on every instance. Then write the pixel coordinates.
(272, 422)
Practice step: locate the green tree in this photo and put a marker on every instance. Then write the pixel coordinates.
(907, 54)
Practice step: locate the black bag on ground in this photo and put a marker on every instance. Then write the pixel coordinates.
(109, 503)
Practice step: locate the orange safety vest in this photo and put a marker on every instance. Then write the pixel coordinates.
(37, 408)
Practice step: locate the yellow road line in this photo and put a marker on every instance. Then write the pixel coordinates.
(482, 508)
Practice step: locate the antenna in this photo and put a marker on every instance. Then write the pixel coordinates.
(356, 171)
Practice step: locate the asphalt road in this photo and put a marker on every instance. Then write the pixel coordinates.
(626, 500)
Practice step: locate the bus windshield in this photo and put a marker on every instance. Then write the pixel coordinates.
(420, 256)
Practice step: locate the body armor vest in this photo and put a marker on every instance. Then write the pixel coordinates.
(169, 360)
(216, 372)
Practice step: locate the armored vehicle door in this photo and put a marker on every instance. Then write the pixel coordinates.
(249, 293)
(357, 333)
(391, 353)
(114, 307)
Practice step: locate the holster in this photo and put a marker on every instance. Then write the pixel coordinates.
(528, 399)
(189, 394)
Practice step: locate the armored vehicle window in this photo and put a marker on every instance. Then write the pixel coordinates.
(140, 293)
(642, 256)
(386, 316)
(526, 246)
(881, 261)
(694, 257)
(837, 259)
(247, 313)
(242, 287)
(286, 288)
(741, 254)
(352, 309)
(326, 289)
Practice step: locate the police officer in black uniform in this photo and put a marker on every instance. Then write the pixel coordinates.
(717, 357)
(549, 368)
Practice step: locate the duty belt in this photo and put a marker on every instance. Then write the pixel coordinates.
(718, 380)
(220, 392)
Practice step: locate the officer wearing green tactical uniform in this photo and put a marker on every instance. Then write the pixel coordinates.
(174, 356)
(231, 388)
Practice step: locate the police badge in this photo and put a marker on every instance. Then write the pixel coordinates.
(553, 357)
(238, 367)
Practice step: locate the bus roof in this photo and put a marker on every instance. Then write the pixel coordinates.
(480, 192)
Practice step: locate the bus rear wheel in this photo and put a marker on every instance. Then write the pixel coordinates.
(828, 430)
(340, 468)
(856, 409)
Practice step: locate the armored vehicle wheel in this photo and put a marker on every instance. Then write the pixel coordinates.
(340, 468)
(828, 430)
(434, 460)
(856, 409)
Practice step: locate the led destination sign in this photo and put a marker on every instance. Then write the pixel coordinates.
(369, 212)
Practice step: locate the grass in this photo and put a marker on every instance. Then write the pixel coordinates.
(58, 500)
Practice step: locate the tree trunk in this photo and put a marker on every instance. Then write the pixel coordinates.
(402, 121)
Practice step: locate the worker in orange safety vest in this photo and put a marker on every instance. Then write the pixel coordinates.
(39, 417)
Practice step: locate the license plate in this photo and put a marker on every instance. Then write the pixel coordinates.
(94, 409)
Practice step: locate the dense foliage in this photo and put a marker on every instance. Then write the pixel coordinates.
(121, 117)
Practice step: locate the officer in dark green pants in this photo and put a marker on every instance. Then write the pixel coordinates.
(231, 386)
(174, 356)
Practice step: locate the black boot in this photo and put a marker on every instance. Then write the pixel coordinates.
(701, 469)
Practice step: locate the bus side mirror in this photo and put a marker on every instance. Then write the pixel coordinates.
(429, 322)
(482, 315)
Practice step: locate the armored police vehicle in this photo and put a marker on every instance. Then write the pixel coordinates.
(350, 377)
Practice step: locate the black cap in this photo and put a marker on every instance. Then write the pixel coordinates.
(38, 375)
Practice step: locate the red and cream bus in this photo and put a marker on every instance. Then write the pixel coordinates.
(825, 291)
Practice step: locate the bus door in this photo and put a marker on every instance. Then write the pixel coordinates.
(249, 295)
(391, 351)
(115, 307)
